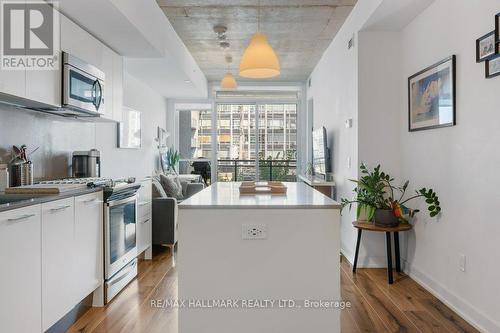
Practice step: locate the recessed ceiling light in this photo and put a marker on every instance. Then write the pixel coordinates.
(187, 81)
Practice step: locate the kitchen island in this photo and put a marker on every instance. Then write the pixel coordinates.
(259, 263)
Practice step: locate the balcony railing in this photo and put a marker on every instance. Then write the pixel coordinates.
(240, 170)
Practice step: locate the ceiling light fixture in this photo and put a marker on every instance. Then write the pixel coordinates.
(259, 60)
(228, 82)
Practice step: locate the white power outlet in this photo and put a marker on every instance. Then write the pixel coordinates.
(253, 231)
(461, 262)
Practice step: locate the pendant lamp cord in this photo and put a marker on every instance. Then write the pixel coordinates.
(258, 16)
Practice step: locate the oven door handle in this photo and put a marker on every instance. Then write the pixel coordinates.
(125, 271)
(112, 203)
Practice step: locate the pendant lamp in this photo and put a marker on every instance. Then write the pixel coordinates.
(259, 60)
(228, 82)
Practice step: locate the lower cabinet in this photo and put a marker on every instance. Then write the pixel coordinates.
(20, 288)
(58, 231)
(88, 261)
(144, 222)
(144, 233)
(51, 258)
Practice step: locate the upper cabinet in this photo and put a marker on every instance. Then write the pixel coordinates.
(13, 82)
(79, 43)
(43, 88)
(38, 85)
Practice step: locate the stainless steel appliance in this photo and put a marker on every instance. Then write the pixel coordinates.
(120, 251)
(86, 164)
(83, 86)
(82, 89)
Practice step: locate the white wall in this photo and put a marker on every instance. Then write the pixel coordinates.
(460, 162)
(379, 116)
(334, 90)
(133, 162)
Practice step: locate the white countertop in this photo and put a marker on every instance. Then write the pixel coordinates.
(227, 195)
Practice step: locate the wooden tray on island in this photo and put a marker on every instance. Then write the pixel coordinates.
(271, 187)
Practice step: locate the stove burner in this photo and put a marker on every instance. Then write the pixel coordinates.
(92, 182)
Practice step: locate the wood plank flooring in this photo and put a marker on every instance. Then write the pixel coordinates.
(376, 306)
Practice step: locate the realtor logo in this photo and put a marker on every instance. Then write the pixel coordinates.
(29, 36)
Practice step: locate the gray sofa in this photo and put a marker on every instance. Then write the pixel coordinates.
(165, 222)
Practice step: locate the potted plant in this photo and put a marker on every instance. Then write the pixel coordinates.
(385, 204)
(172, 157)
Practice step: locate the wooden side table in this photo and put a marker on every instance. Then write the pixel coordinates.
(364, 225)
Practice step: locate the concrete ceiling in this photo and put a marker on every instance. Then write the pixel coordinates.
(299, 31)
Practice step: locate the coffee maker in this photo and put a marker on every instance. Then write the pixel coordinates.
(86, 164)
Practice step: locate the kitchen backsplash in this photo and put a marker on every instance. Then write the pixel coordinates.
(56, 137)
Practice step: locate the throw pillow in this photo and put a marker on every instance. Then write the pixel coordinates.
(170, 186)
(158, 191)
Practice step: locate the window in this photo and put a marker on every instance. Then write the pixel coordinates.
(246, 152)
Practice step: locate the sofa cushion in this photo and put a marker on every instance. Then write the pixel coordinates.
(158, 191)
(172, 186)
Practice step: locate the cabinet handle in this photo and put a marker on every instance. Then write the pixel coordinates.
(92, 201)
(53, 210)
(145, 221)
(20, 218)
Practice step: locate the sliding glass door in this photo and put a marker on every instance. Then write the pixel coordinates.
(256, 141)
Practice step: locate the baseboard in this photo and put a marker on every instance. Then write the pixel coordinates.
(365, 261)
(469, 313)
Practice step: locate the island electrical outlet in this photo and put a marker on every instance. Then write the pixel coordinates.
(253, 231)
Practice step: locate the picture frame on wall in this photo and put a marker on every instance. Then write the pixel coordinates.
(432, 96)
(493, 67)
(486, 47)
(129, 130)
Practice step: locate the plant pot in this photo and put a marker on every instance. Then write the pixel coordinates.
(385, 218)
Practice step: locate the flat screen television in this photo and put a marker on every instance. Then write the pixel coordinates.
(320, 152)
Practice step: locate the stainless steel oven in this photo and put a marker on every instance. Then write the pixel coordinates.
(120, 250)
(83, 86)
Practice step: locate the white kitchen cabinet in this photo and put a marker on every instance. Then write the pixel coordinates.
(20, 288)
(144, 236)
(88, 261)
(81, 44)
(44, 86)
(144, 224)
(13, 82)
(58, 255)
(117, 87)
(107, 68)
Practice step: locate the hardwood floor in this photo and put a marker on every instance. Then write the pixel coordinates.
(376, 306)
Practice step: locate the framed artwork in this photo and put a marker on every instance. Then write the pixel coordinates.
(497, 27)
(431, 96)
(162, 137)
(493, 67)
(129, 130)
(486, 47)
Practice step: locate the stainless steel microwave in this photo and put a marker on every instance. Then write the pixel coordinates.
(82, 88)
